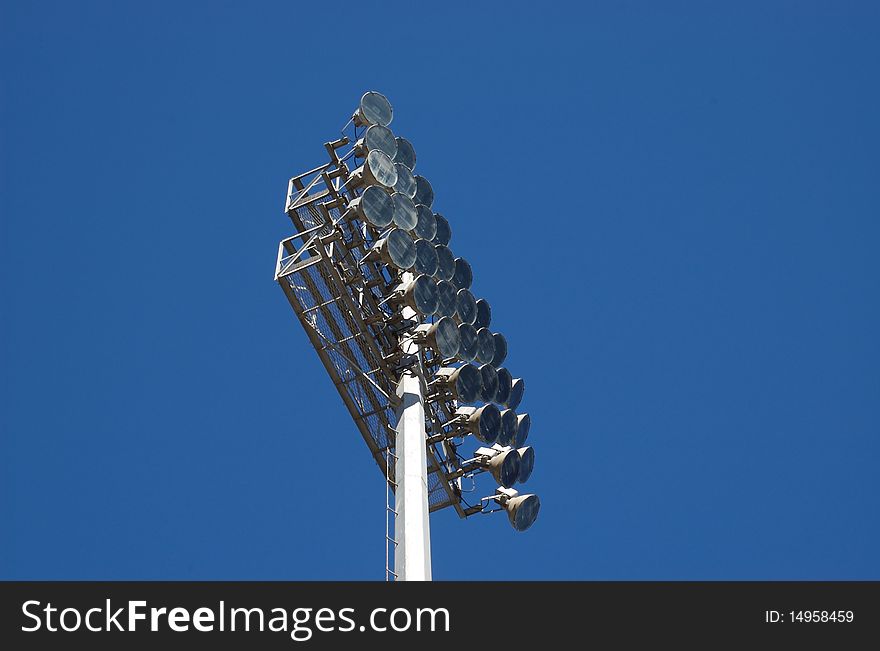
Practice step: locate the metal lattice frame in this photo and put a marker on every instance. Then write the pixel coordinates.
(338, 300)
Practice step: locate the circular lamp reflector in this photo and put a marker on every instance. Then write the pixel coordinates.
(465, 383)
(426, 258)
(505, 467)
(484, 423)
(467, 306)
(405, 155)
(374, 206)
(374, 109)
(463, 276)
(406, 183)
(445, 262)
(426, 226)
(467, 349)
(484, 314)
(504, 382)
(381, 138)
(526, 463)
(523, 511)
(443, 338)
(500, 349)
(398, 249)
(488, 381)
(446, 299)
(508, 427)
(379, 170)
(485, 346)
(404, 214)
(523, 423)
(517, 387)
(444, 230)
(421, 295)
(424, 191)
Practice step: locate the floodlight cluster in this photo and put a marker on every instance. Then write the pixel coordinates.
(398, 256)
(470, 390)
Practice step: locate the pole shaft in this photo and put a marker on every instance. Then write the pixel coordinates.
(412, 552)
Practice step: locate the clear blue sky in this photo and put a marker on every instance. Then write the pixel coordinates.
(674, 213)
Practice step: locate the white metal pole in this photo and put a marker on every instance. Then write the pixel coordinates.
(412, 535)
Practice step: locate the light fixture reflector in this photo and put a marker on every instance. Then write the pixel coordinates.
(485, 346)
(443, 230)
(406, 183)
(374, 206)
(500, 350)
(445, 262)
(467, 349)
(446, 299)
(405, 155)
(424, 191)
(404, 214)
(467, 306)
(426, 258)
(426, 226)
(374, 108)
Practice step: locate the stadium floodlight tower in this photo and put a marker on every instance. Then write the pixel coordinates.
(389, 310)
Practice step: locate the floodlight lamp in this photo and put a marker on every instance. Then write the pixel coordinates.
(374, 108)
(504, 466)
(508, 427)
(396, 249)
(523, 424)
(517, 388)
(426, 258)
(442, 337)
(488, 381)
(484, 314)
(466, 306)
(404, 213)
(463, 276)
(376, 170)
(485, 346)
(500, 350)
(421, 295)
(406, 183)
(405, 155)
(463, 382)
(376, 137)
(504, 382)
(526, 463)
(373, 206)
(426, 226)
(424, 191)
(522, 510)
(483, 422)
(467, 349)
(445, 262)
(447, 301)
(443, 231)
